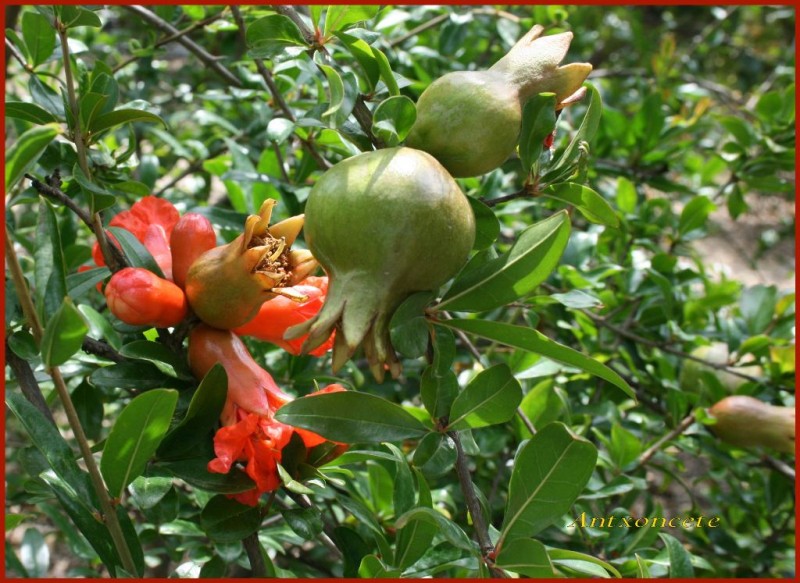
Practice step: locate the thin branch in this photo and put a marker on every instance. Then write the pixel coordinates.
(780, 466)
(14, 52)
(473, 506)
(101, 349)
(62, 198)
(526, 191)
(173, 37)
(21, 286)
(252, 547)
(436, 20)
(364, 118)
(209, 60)
(676, 431)
(308, 34)
(27, 382)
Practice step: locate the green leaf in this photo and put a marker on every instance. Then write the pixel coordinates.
(534, 341)
(587, 129)
(393, 118)
(130, 375)
(451, 531)
(373, 568)
(413, 541)
(565, 556)
(63, 334)
(435, 455)
(50, 283)
(439, 385)
(740, 129)
(550, 471)
(386, 72)
(75, 16)
(365, 57)
(680, 561)
(626, 195)
(409, 330)
(118, 117)
(591, 205)
(757, 306)
(83, 281)
(226, 520)
(342, 91)
(201, 417)
(271, 35)
(538, 122)
(527, 557)
(99, 198)
(351, 417)
(29, 112)
(195, 473)
(694, 214)
(25, 151)
(44, 96)
(624, 446)
(135, 252)
(135, 436)
(515, 274)
(338, 17)
(279, 129)
(305, 522)
(487, 226)
(39, 36)
(149, 491)
(159, 355)
(51, 444)
(492, 397)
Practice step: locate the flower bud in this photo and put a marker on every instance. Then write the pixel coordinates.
(192, 236)
(250, 387)
(140, 298)
(227, 285)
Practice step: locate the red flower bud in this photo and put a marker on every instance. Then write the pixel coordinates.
(140, 298)
(310, 438)
(192, 236)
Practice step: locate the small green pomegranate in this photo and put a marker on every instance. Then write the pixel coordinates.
(747, 422)
(690, 379)
(470, 120)
(384, 225)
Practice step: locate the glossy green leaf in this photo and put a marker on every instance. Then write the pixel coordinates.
(364, 55)
(550, 471)
(50, 285)
(393, 118)
(515, 274)
(226, 520)
(63, 334)
(413, 541)
(44, 435)
(44, 96)
(29, 112)
(201, 417)
(159, 355)
(626, 197)
(586, 131)
(538, 122)
(439, 385)
(135, 252)
(409, 330)
(118, 117)
(680, 560)
(435, 455)
(492, 397)
(487, 226)
(527, 557)
(695, 214)
(757, 305)
(351, 417)
(195, 473)
(305, 522)
(149, 491)
(39, 36)
(373, 568)
(624, 446)
(279, 129)
(565, 556)
(130, 375)
(99, 198)
(591, 205)
(81, 282)
(451, 531)
(340, 16)
(135, 436)
(75, 16)
(271, 35)
(386, 72)
(25, 150)
(534, 341)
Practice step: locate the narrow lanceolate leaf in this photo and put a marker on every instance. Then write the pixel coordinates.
(549, 473)
(63, 334)
(118, 117)
(491, 398)
(534, 341)
(586, 130)
(590, 204)
(538, 122)
(351, 417)
(135, 437)
(527, 557)
(680, 561)
(512, 275)
(49, 279)
(29, 112)
(23, 152)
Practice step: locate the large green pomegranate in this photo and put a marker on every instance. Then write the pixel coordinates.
(470, 120)
(384, 225)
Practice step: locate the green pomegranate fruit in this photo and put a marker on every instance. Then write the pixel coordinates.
(747, 422)
(690, 379)
(383, 225)
(470, 120)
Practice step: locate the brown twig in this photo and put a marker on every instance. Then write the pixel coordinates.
(101, 349)
(526, 191)
(308, 34)
(364, 118)
(208, 59)
(27, 382)
(61, 197)
(258, 567)
(676, 431)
